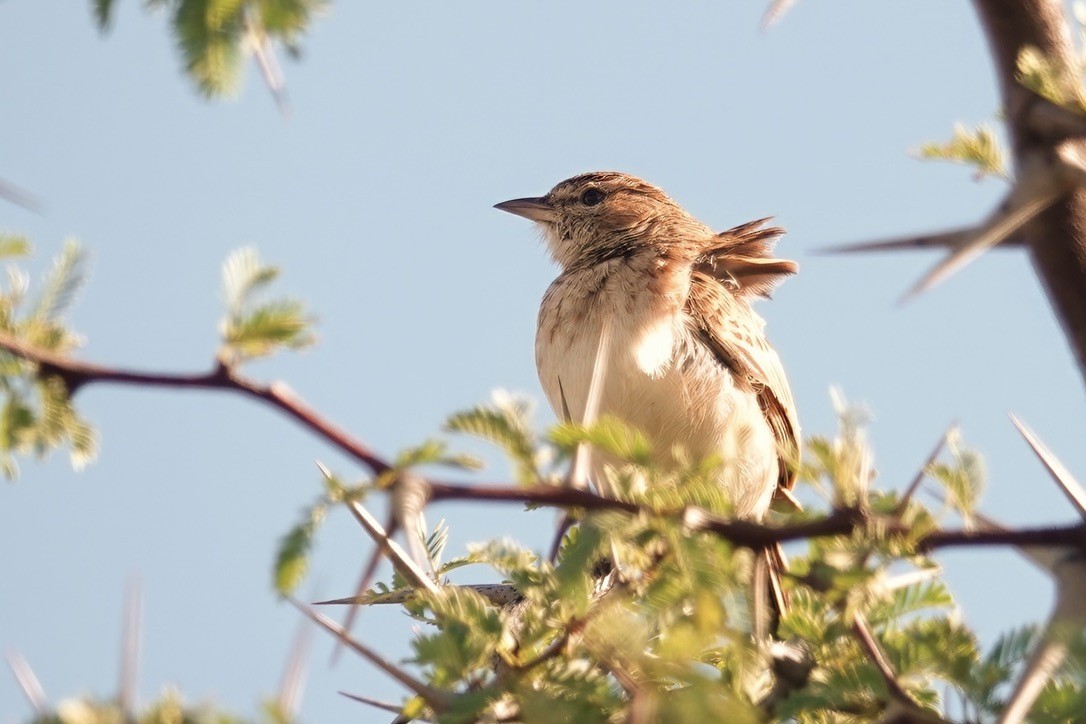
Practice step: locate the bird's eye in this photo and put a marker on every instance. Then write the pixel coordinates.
(591, 197)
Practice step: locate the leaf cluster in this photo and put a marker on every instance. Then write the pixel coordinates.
(255, 327)
(977, 147)
(214, 37)
(37, 415)
(1053, 79)
(640, 618)
(168, 709)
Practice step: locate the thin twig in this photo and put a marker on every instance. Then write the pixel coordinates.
(759, 535)
(77, 374)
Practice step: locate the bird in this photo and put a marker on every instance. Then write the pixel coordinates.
(688, 361)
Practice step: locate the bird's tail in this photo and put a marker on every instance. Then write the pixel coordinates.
(770, 600)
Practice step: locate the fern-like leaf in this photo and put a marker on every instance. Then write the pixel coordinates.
(292, 559)
(62, 284)
(978, 147)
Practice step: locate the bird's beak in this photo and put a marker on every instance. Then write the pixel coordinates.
(532, 208)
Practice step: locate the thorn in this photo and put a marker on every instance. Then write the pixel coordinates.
(999, 226)
(949, 240)
(1070, 487)
(292, 686)
(372, 702)
(130, 648)
(267, 62)
(12, 193)
(902, 580)
(922, 472)
(364, 581)
(500, 594)
(396, 555)
(1067, 619)
(877, 657)
(775, 12)
(28, 683)
(1044, 557)
(363, 599)
(410, 494)
(582, 458)
(439, 700)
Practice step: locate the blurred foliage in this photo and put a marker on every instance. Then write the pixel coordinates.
(1059, 82)
(214, 37)
(254, 327)
(667, 635)
(978, 147)
(37, 415)
(169, 709)
(663, 631)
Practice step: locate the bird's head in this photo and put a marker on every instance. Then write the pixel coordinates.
(605, 215)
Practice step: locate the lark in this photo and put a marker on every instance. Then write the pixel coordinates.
(688, 362)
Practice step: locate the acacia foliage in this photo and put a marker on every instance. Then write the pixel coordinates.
(666, 634)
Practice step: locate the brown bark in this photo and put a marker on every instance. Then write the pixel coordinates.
(1056, 239)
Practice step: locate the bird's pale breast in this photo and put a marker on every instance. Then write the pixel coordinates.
(660, 377)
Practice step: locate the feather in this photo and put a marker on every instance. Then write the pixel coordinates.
(742, 259)
(733, 333)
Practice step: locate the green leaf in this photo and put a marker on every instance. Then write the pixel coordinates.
(16, 421)
(505, 556)
(1050, 78)
(435, 543)
(469, 632)
(435, 452)
(608, 434)
(910, 600)
(253, 328)
(209, 35)
(62, 284)
(978, 147)
(287, 19)
(505, 423)
(14, 245)
(243, 275)
(276, 324)
(292, 559)
(963, 478)
(103, 13)
(84, 443)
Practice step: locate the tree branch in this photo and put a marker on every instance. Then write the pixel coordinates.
(77, 374)
(756, 536)
(1056, 238)
(743, 533)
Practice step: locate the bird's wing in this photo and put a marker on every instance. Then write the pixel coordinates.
(734, 334)
(742, 259)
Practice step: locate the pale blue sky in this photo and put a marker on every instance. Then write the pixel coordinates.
(409, 121)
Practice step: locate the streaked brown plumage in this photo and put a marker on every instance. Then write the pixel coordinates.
(689, 361)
